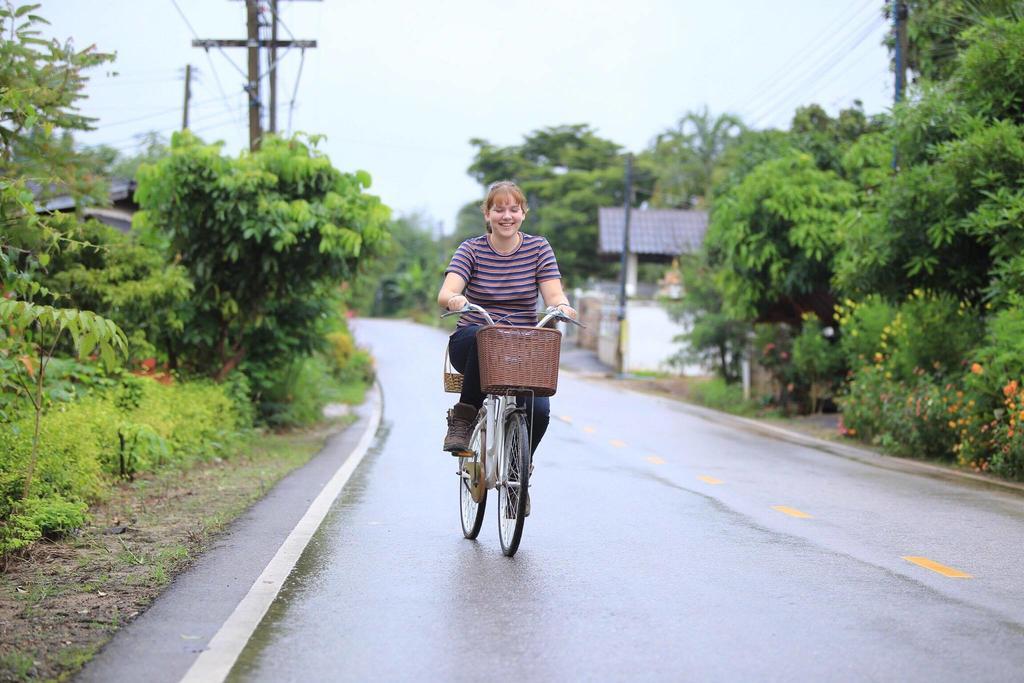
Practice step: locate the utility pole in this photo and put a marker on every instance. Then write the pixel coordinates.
(899, 17)
(272, 66)
(623, 323)
(252, 23)
(253, 44)
(188, 96)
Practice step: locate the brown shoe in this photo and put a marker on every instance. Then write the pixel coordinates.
(460, 426)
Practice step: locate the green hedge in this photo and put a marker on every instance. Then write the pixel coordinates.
(140, 426)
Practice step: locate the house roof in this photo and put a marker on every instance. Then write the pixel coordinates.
(667, 232)
(120, 189)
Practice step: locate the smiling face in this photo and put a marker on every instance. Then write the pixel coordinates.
(505, 208)
(505, 216)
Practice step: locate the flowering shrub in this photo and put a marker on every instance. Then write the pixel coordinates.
(774, 344)
(909, 418)
(973, 412)
(862, 324)
(991, 439)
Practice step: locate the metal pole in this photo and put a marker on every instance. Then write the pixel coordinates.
(188, 96)
(273, 66)
(253, 86)
(625, 265)
(899, 18)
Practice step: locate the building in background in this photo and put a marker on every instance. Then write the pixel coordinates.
(656, 236)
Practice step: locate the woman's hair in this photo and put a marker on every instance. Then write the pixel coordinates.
(506, 190)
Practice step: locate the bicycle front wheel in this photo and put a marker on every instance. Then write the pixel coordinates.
(513, 483)
(473, 483)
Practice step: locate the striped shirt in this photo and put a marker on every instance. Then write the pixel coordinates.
(505, 284)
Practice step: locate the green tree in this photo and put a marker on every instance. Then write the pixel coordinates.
(41, 83)
(687, 156)
(264, 238)
(949, 220)
(772, 239)
(405, 279)
(935, 31)
(714, 339)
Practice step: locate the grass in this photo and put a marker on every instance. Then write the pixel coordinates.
(352, 393)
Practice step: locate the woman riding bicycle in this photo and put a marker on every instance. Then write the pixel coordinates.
(502, 271)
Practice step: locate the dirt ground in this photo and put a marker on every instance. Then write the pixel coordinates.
(64, 600)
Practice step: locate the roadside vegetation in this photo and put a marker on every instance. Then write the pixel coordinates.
(153, 383)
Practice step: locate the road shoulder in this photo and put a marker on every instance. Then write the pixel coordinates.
(859, 453)
(180, 624)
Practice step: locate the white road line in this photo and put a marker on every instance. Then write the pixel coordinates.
(221, 653)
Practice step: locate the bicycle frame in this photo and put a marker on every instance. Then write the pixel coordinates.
(500, 406)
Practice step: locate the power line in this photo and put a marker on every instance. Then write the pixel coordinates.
(799, 76)
(122, 144)
(295, 91)
(840, 53)
(801, 56)
(155, 115)
(216, 76)
(196, 36)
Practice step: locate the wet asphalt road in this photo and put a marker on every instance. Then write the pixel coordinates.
(654, 551)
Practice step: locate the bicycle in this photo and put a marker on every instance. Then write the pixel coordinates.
(499, 455)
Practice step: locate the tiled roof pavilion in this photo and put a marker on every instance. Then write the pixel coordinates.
(663, 232)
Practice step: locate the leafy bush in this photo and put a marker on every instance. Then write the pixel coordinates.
(140, 426)
(360, 368)
(54, 516)
(993, 401)
(303, 388)
(931, 332)
(341, 346)
(909, 418)
(716, 393)
(817, 360)
(773, 344)
(862, 325)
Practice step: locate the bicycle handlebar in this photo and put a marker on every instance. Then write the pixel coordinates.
(551, 313)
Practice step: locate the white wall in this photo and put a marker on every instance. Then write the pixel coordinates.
(650, 338)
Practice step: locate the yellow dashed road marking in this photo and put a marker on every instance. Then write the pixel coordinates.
(709, 480)
(589, 430)
(654, 460)
(617, 443)
(936, 567)
(792, 512)
(565, 418)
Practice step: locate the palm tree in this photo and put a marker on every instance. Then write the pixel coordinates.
(686, 156)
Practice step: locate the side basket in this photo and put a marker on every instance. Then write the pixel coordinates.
(518, 360)
(452, 377)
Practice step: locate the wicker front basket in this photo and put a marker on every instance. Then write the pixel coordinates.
(518, 360)
(452, 377)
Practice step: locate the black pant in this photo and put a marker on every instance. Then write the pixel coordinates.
(462, 351)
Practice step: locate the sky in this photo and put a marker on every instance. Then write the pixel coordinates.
(399, 87)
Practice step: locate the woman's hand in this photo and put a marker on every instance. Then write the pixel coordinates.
(457, 302)
(568, 310)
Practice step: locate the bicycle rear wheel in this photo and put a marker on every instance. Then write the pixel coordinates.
(472, 482)
(513, 483)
